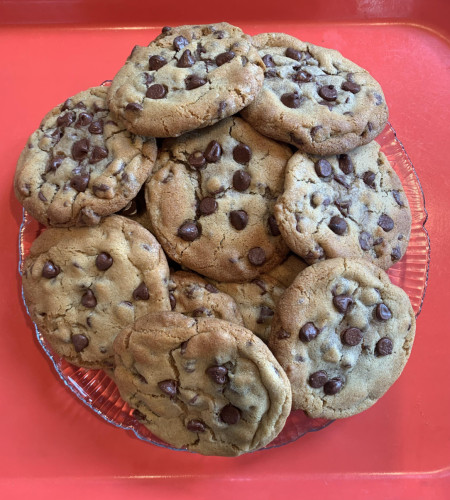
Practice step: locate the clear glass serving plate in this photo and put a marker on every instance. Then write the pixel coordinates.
(96, 389)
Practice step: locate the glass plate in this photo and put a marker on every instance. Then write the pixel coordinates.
(96, 389)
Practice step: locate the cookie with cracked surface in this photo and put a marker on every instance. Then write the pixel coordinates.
(349, 205)
(211, 200)
(343, 333)
(187, 78)
(314, 98)
(193, 296)
(82, 163)
(202, 383)
(82, 285)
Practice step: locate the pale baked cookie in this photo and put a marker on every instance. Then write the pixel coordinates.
(191, 295)
(82, 163)
(187, 78)
(203, 384)
(314, 98)
(211, 200)
(349, 205)
(83, 285)
(343, 333)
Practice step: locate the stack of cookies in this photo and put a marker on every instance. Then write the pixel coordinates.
(218, 224)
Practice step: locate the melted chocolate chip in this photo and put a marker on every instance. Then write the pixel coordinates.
(213, 152)
(66, 119)
(134, 106)
(50, 270)
(55, 162)
(318, 379)
(352, 87)
(396, 254)
(103, 261)
(186, 60)
(98, 153)
(382, 312)
(88, 299)
(241, 180)
(351, 336)
(173, 301)
(264, 314)
(338, 225)
(397, 198)
(369, 178)
(230, 414)
(168, 387)
(188, 231)
(207, 206)
(257, 256)
(80, 182)
(292, 100)
(308, 332)
(365, 241)
(80, 149)
(386, 223)
(194, 81)
(197, 160)
(384, 347)
(141, 292)
(273, 226)
(345, 164)
(242, 154)
(333, 386)
(342, 302)
(328, 92)
(156, 62)
(239, 219)
(179, 43)
(84, 119)
(211, 288)
(323, 168)
(195, 426)
(218, 374)
(293, 54)
(96, 127)
(268, 61)
(156, 91)
(224, 57)
(302, 76)
(79, 342)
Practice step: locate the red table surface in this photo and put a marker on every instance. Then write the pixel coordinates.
(53, 445)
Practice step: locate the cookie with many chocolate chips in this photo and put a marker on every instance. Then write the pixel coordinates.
(82, 163)
(193, 296)
(348, 205)
(203, 384)
(187, 78)
(211, 200)
(314, 98)
(83, 285)
(343, 333)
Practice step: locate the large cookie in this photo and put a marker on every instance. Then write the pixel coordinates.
(211, 201)
(349, 205)
(343, 333)
(189, 77)
(314, 98)
(202, 383)
(83, 285)
(82, 163)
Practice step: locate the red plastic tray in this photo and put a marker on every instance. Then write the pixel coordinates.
(52, 445)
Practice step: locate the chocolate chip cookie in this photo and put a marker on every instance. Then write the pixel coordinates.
(314, 98)
(187, 78)
(347, 205)
(211, 200)
(343, 333)
(203, 384)
(83, 285)
(82, 163)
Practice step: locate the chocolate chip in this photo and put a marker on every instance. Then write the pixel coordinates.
(88, 299)
(197, 160)
(242, 154)
(218, 374)
(156, 62)
(302, 76)
(84, 119)
(194, 81)
(141, 292)
(292, 100)
(80, 182)
(103, 261)
(188, 231)
(382, 312)
(396, 254)
(318, 379)
(213, 152)
(186, 60)
(41, 196)
(365, 241)
(328, 92)
(338, 225)
(323, 168)
(351, 336)
(241, 180)
(293, 54)
(384, 347)
(98, 153)
(156, 91)
(341, 180)
(67, 105)
(138, 415)
(239, 219)
(166, 30)
(261, 285)
(257, 256)
(79, 342)
(230, 414)
(211, 288)
(55, 162)
(179, 42)
(369, 178)
(270, 73)
(207, 206)
(397, 198)
(172, 300)
(378, 99)
(134, 106)
(352, 87)
(195, 426)
(169, 387)
(283, 334)
(345, 164)
(96, 127)
(264, 314)
(50, 270)
(308, 332)
(80, 149)
(343, 206)
(342, 302)
(224, 57)
(66, 119)
(333, 386)
(268, 61)
(386, 223)
(273, 226)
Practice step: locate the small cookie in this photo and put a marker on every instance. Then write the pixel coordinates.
(202, 383)
(83, 285)
(211, 200)
(187, 78)
(81, 164)
(314, 98)
(349, 205)
(343, 333)
(191, 295)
